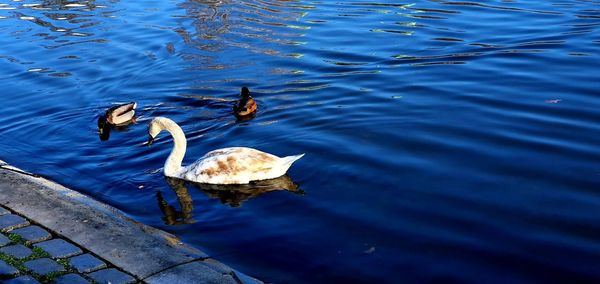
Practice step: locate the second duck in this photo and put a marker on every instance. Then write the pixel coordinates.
(246, 106)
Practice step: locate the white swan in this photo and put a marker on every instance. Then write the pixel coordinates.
(235, 165)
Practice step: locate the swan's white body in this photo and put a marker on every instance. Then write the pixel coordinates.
(235, 165)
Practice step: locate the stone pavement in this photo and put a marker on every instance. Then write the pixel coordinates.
(51, 234)
(29, 253)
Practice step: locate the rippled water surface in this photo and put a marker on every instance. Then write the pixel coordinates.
(444, 140)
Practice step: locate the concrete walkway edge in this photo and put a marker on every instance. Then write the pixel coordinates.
(150, 254)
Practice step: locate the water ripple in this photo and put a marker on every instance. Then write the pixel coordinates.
(431, 128)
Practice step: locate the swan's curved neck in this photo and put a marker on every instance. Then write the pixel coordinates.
(173, 163)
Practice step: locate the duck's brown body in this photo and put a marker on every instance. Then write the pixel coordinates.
(120, 114)
(246, 105)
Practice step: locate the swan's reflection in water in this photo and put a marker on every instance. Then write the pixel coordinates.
(232, 195)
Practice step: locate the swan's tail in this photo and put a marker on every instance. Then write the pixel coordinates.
(289, 160)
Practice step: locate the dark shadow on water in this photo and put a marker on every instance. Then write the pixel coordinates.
(232, 195)
(104, 128)
(235, 195)
(171, 216)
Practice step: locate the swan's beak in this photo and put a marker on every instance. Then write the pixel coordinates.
(150, 140)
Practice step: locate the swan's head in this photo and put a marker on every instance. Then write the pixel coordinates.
(154, 128)
(159, 124)
(245, 92)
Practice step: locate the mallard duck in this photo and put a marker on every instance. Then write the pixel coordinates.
(234, 165)
(120, 114)
(115, 117)
(246, 105)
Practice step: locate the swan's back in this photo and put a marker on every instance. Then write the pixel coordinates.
(237, 165)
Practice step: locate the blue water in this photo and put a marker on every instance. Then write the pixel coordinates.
(445, 141)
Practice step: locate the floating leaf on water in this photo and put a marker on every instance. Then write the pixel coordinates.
(170, 47)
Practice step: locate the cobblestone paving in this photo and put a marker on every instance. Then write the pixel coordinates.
(30, 253)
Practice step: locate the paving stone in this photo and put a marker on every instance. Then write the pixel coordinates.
(22, 280)
(3, 240)
(86, 263)
(4, 211)
(32, 234)
(7, 270)
(18, 251)
(58, 248)
(112, 276)
(191, 272)
(71, 279)
(44, 266)
(10, 222)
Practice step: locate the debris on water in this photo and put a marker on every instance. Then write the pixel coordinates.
(141, 187)
(396, 97)
(553, 101)
(370, 250)
(170, 48)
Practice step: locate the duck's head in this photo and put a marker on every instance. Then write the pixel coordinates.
(103, 128)
(245, 92)
(102, 122)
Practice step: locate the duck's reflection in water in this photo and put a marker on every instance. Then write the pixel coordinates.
(232, 195)
(104, 128)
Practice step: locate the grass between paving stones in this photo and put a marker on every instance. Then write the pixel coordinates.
(19, 264)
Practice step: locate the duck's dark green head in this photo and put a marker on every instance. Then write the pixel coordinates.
(103, 128)
(245, 92)
(102, 122)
